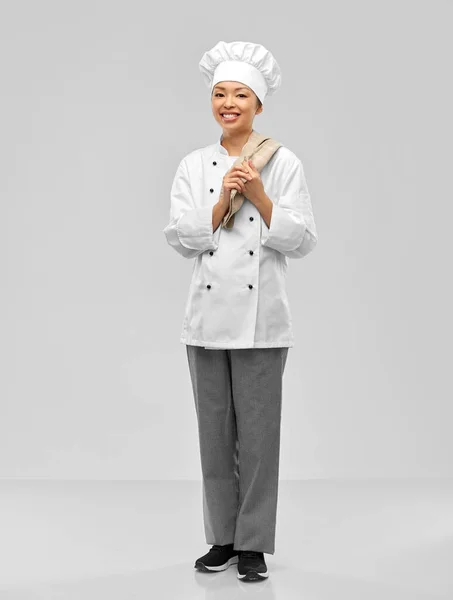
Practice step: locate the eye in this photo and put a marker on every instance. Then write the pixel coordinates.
(220, 94)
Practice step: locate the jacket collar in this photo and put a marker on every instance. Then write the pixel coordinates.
(219, 148)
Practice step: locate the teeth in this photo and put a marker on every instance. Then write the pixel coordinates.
(229, 116)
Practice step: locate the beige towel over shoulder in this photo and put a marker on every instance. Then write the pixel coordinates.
(259, 149)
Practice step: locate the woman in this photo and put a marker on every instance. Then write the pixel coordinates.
(238, 306)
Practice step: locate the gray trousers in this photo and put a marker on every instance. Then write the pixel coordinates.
(238, 400)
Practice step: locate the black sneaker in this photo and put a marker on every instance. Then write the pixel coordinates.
(218, 558)
(252, 566)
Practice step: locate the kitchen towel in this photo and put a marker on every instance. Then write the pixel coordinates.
(259, 149)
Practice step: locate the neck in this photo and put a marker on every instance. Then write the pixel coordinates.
(234, 142)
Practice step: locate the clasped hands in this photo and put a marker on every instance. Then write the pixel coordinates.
(254, 189)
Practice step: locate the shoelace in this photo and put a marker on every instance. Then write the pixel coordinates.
(250, 554)
(217, 547)
(244, 553)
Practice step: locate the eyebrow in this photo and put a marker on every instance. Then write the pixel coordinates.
(219, 87)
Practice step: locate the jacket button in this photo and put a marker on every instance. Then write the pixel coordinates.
(250, 252)
(251, 218)
(250, 285)
(208, 286)
(214, 163)
(211, 190)
(211, 252)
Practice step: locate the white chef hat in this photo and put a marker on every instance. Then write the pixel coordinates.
(246, 62)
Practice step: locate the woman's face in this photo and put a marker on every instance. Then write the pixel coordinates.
(234, 97)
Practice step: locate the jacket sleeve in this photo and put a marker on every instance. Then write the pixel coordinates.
(292, 229)
(189, 230)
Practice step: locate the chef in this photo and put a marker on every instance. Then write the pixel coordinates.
(238, 305)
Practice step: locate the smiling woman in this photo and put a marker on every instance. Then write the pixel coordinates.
(238, 106)
(237, 302)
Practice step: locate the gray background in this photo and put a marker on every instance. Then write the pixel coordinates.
(100, 101)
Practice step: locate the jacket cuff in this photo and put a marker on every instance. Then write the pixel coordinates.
(194, 229)
(286, 231)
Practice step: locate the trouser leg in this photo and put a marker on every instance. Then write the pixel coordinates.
(211, 383)
(257, 393)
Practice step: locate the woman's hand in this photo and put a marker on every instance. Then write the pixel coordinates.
(232, 180)
(253, 188)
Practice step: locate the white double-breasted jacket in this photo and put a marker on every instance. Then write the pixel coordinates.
(237, 296)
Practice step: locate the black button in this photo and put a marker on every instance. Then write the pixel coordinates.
(211, 252)
(211, 190)
(250, 252)
(251, 218)
(250, 285)
(208, 286)
(214, 163)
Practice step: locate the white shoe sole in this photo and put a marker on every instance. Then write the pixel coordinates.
(252, 575)
(202, 567)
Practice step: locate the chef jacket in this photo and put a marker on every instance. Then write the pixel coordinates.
(237, 296)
